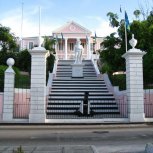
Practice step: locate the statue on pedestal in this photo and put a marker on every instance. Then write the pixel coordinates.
(78, 48)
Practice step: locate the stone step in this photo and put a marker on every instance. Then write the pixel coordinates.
(72, 61)
(72, 106)
(78, 90)
(57, 106)
(72, 88)
(107, 111)
(84, 75)
(72, 110)
(70, 66)
(98, 82)
(62, 111)
(79, 80)
(80, 84)
(84, 78)
(70, 73)
(66, 97)
(92, 102)
(80, 93)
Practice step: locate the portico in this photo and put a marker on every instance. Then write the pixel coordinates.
(66, 37)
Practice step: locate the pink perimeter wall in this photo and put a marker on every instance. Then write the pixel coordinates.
(21, 107)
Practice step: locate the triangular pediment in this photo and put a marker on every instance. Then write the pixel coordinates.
(72, 27)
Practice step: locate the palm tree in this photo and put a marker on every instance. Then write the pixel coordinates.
(113, 19)
(137, 14)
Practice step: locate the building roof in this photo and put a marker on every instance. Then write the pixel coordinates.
(72, 27)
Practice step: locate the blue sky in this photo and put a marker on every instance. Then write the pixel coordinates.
(89, 13)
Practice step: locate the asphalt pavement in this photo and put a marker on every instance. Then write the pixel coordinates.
(125, 138)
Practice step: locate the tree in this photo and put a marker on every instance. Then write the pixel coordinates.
(113, 19)
(7, 39)
(49, 44)
(114, 47)
(111, 55)
(137, 14)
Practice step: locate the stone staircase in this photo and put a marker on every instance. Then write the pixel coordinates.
(67, 95)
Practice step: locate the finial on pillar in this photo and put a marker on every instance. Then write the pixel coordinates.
(133, 42)
(10, 62)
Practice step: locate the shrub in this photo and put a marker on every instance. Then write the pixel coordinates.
(5, 55)
(19, 150)
(24, 61)
(118, 80)
(2, 71)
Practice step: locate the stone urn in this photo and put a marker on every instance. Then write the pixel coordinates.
(133, 42)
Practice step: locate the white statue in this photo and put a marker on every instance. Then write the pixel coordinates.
(78, 48)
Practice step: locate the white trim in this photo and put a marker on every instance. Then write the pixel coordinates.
(16, 121)
(59, 30)
(148, 119)
(106, 120)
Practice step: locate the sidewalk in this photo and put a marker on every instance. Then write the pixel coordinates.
(50, 149)
(73, 126)
(64, 149)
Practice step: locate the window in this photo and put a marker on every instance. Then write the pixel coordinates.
(30, 45)
(60, 46)
(72, 46)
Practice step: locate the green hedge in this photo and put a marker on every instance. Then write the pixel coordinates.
(23, 63)
(21, 81)
(22, 59)
(118, 80)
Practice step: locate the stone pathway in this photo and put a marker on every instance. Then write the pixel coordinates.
(49, 149)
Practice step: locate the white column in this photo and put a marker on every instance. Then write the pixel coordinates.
(9, 91)
(66, 48)
(89, 50)
(38, 86)
(134, 83)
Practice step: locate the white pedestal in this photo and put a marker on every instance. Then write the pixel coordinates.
(77, 70)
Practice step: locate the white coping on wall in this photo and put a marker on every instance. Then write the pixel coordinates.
(16, 121)
(20, 90)
(107, 120)
(49, 83)
(94, 61)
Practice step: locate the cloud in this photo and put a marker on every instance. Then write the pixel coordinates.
(104, 29)
(30, 26)
(12, 19)
(101, 26)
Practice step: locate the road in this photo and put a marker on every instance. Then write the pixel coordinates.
(105, 139)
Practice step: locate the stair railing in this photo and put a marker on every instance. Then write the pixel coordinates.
(55, 64)
(94, 59)
(52, 75)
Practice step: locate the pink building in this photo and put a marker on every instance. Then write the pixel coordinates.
(66, 37)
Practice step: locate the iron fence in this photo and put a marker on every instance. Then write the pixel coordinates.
(93, 109)
(21, 111)
(148, 101)
(21, 105)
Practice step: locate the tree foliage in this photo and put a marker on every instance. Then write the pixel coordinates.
(49, 44)
(137, 14)
(7, 39)
(114, 45)
(113, 19)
